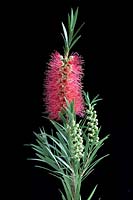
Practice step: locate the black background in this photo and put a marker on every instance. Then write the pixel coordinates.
(33, 32)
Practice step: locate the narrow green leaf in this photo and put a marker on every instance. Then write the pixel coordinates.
(63, 118)
(71, 18)
(58, 127)
(66, 191)
(63, 197)
(75, 18)
(65, 42)
(97, 161)
(57, 142)
(99, 144)
(82, 125)
(92, 193)
(64, 164)
(53, 156)
(51, 163)
(87, 99)
(69, 23)
(65, 33)
(56, 151)
(64, 145)
(66, 153)
(68, 180)
(49, 170)
(46, 160)
(90, 168)
(75, 34)
(39, 151)
(63, 174)
(96, 99)
(63, 137)
(87, 173)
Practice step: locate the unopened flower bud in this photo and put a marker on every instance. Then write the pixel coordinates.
(95, 127)
(73, 122)
(89, 118)
(91, 124)
(91, 140)
(96, 123)
(77, 125)
(91, 135)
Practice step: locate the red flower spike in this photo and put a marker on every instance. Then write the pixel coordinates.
(63, 80)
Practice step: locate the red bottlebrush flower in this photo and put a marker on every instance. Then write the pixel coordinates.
(63, 80)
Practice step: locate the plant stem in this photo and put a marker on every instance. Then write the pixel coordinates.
(73, 186)
(75, 183)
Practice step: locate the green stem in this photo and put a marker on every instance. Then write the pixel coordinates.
(73, 187)
(66, 54)
(76, 182)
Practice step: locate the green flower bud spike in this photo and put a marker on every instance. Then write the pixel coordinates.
(77, 143)
(92, 121)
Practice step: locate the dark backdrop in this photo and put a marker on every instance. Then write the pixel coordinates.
(107, 50)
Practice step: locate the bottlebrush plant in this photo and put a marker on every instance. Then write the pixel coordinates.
(70, 153)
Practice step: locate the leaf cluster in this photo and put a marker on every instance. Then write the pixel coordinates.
(53, 151)
(70, 36)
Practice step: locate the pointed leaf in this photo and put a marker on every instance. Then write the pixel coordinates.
(92, 193)
(64, 164)
(65, 33)
(78, 30)
(75, 18)
(71, 18)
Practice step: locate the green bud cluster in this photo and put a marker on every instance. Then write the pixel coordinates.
(77, 146)
(92, 124)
